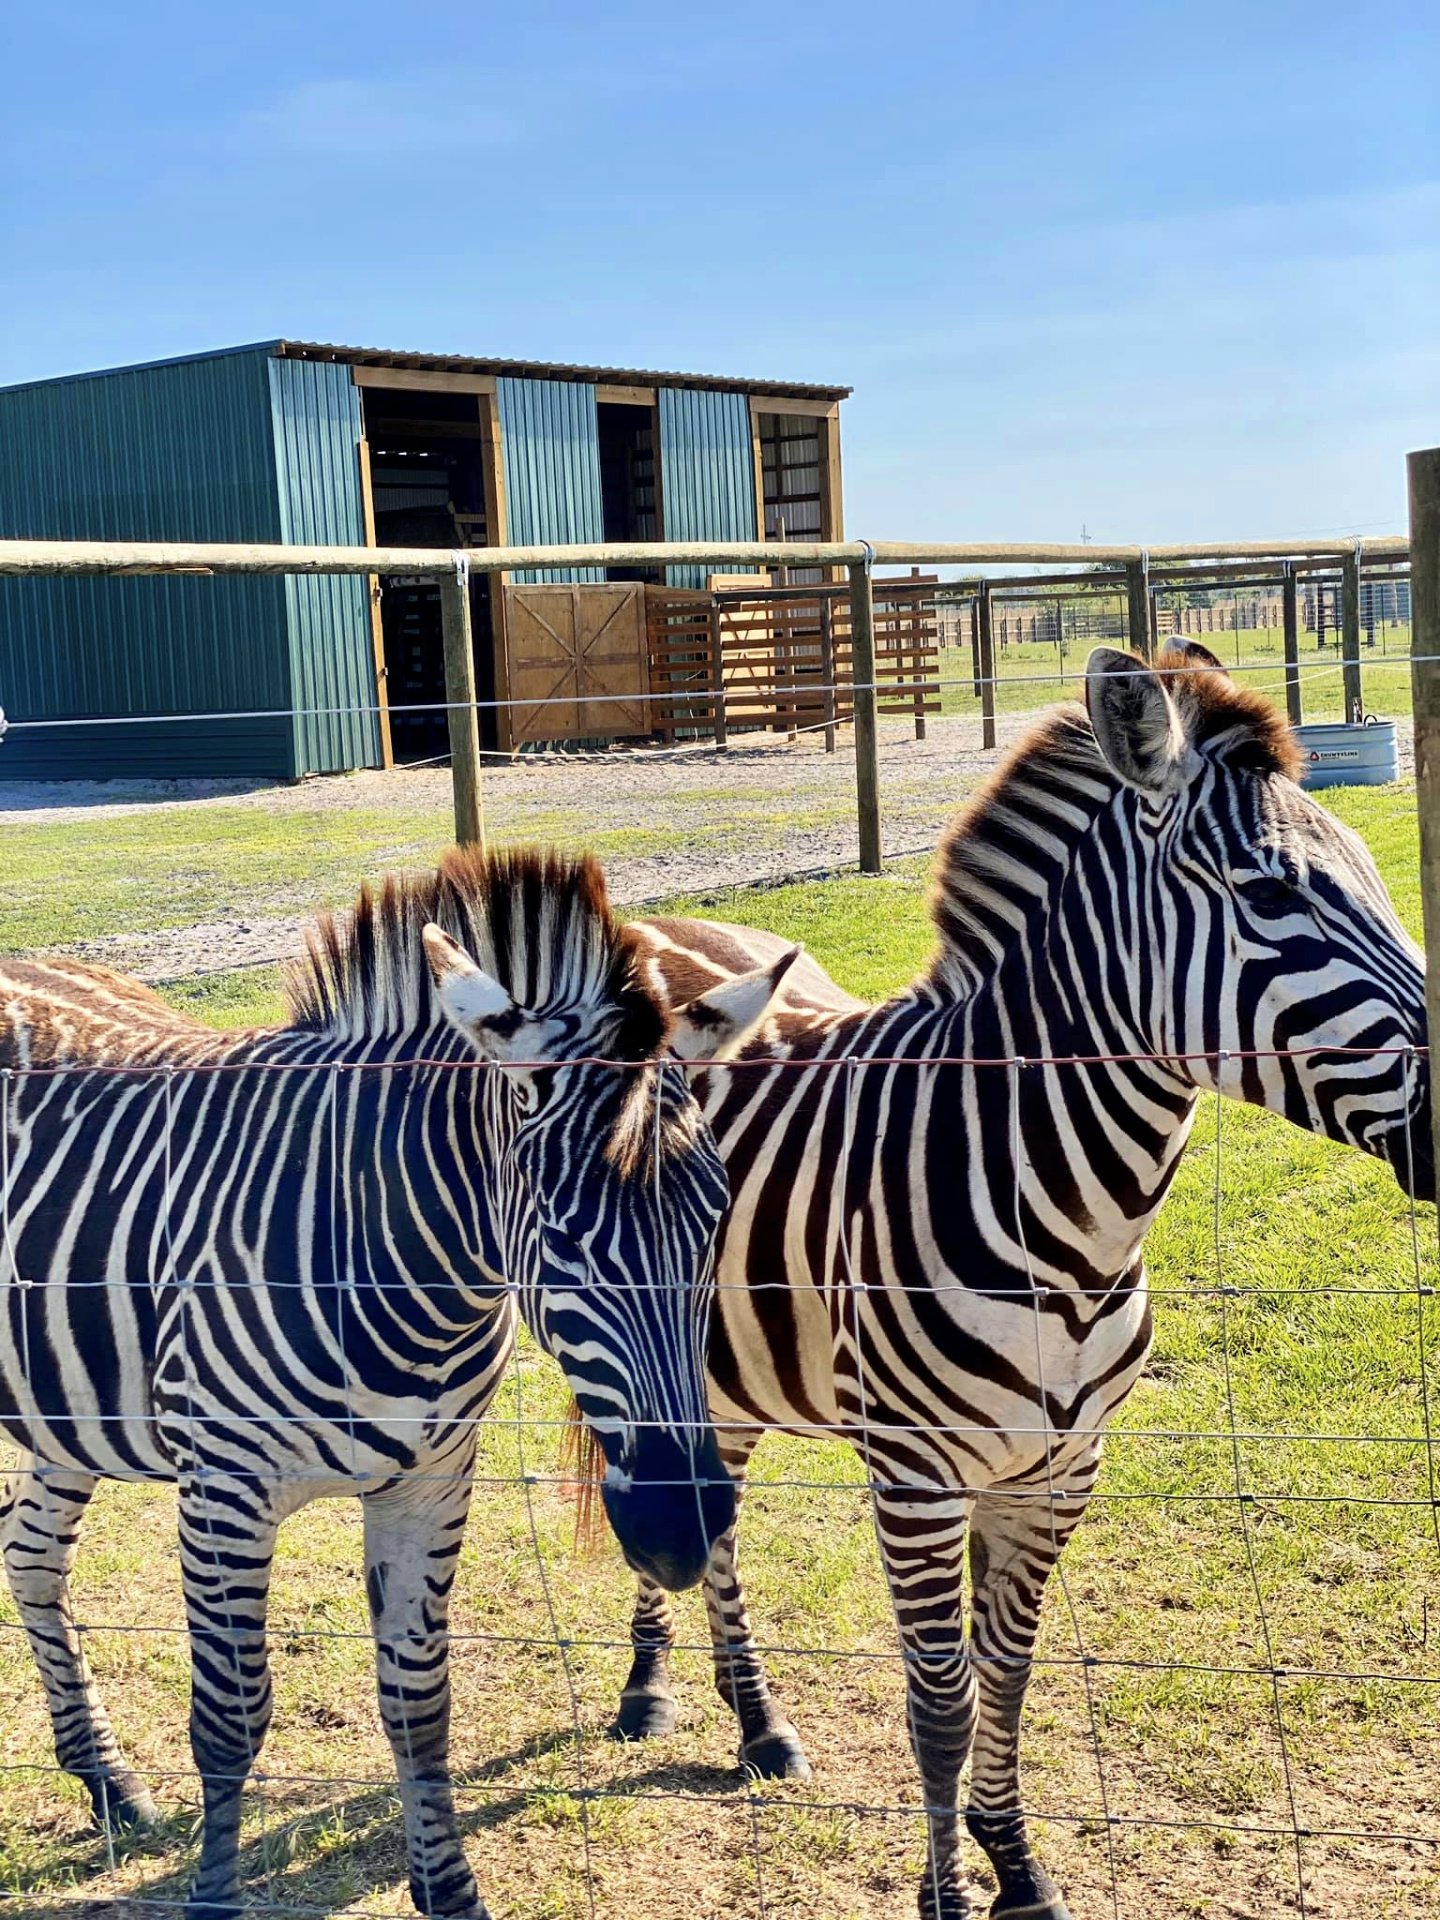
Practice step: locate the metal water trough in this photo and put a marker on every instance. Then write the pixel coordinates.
(1359, 753)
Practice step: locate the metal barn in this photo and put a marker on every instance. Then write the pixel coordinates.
(289, 441)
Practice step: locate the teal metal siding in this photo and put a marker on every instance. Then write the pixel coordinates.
(707, 471)
(184, 452)
(316, 413)
(552, 469)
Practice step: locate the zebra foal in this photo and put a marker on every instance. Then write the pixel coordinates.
(285, 1263)
(944, 1261)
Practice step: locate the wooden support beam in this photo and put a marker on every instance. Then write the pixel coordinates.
(1289, 613)
(717, 673)
(827, 667)
(985, 631)
(420, 380)
(462, 715)
(622, 396)
(806, 409)
(1350, 635)
(372, 606)
(867, 760)
(1424, 476)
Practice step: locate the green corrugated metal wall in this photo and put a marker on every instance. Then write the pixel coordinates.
(552, 469)
(707, 471)
(316, 413)
(183, 452)
(233, 447)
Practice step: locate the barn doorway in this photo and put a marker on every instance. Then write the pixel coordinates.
(427, 487)
(628, 470)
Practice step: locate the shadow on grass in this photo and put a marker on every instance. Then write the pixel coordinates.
(367, 1855)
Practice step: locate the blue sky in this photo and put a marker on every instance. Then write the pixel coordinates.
(1165, 272)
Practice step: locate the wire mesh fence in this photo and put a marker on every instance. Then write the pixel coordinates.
(1233, 1703)
(1234, 1683)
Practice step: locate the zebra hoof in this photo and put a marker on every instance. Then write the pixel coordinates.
(1048, 1906)
(197, 1908)
(121, 1803)
(644, 1716)
(775, 1756)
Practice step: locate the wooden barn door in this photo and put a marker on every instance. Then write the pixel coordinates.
(583, 649)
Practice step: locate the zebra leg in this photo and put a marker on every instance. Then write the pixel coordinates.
(922, 1545)
(1015, 1541)
(769, 1745)
(412, 1543)
(41, 1512)
(647, 1703)
(227, 1545)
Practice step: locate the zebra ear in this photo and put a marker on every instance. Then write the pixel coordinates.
(717, 1023)
(1137, 726)
(471, 999)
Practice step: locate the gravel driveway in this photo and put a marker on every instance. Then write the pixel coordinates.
(790, 805)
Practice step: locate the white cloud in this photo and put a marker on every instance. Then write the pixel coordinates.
(422, 114)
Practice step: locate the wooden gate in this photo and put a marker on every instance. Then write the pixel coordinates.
(582, 648)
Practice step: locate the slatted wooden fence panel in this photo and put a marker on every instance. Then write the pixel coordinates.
(770, 651)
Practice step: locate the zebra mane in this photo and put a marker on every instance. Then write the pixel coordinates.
(1007, 851)
(539, 922)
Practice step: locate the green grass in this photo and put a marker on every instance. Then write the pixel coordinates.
(174, 866)
(1306, 1384)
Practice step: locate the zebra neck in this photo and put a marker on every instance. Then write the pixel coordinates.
(401, 1150)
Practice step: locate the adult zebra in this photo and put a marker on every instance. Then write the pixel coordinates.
(283, 1263)
(944, 1261)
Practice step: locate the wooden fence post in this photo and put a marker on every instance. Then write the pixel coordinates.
(975, 642)
(1424, 474)
(1350, 634)
(909, 625)
(717, 673)
(1289, 614)
(827, 665)
(862, 672)
(986, 625)
(462, 715)
(1137, 608)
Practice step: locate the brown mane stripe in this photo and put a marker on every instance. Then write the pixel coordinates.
(1049, 787)
(539, 922)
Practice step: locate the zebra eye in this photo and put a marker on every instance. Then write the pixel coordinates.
(1269, 894)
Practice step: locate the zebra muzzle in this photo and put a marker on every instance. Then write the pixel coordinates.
(668, 1507)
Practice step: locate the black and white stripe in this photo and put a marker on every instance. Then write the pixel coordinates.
(943, 1261)
(285, 1263)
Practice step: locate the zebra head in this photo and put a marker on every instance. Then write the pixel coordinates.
(609, 1192)
(1269, 960)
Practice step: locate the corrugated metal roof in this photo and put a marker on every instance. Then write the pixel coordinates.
(464, 363)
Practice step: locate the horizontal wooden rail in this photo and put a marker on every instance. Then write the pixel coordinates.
(127, 557)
